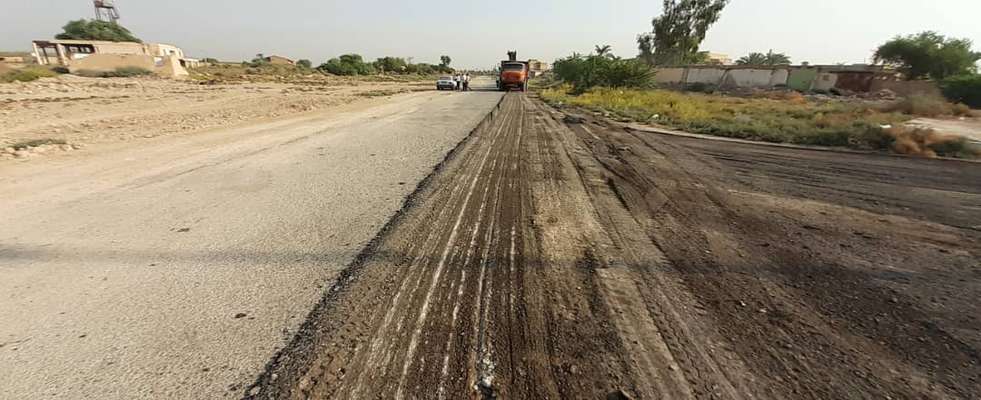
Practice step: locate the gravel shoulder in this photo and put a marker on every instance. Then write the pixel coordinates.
(175, 266)
(76, 112)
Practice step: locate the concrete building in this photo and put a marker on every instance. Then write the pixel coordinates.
(162, 59)
(719, 59)
(538, 68)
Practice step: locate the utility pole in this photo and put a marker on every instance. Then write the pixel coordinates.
(105, 10)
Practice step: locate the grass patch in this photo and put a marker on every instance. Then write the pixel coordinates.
(27, 75)
(381, 93)
(236, 73)
(121, 72)
(785, 119)
(35, 143)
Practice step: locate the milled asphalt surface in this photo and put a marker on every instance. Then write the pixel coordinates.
(178, 268)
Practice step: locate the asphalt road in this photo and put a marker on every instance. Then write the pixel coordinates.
(178, 268)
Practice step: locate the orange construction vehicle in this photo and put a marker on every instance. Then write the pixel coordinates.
(514, 74)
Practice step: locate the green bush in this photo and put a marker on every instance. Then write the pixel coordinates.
(126, 72)
(27, 75)
(587, 72)
(96, 30)
(391, 64)
(963, 89)
(348, 64)
(121, 72)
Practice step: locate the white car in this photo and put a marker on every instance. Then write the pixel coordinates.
(446, 83)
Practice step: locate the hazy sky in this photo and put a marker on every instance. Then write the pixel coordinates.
(477, 34)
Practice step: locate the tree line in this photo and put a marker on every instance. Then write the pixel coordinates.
(354, 64)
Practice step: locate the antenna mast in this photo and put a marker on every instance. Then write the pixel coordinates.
(105, 10)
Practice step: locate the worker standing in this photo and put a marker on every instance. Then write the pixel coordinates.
(466, 82)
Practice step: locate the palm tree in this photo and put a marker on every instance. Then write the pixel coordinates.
(604, 50)
(770, 58)
(777, 58)
(752, 59)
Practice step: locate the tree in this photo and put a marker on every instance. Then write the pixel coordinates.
(929, 54)
(304, 64)
(604, 50)
(679, 31)
(423, 69)
(607, 70)
(84, 29)
(752, 59)
(348, 64)
(777, 58)
(445, 61)
(770, 59)
(963, 89)
(391, 64)
(645, 43)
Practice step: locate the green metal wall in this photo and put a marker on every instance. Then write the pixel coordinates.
(802, 79)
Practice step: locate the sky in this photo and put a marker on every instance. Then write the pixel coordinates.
(478, 34)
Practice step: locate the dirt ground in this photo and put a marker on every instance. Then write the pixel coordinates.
(966, 127)
(555, 257)
(74, 112)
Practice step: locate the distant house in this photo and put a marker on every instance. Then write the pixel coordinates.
(279, 60)
(97, 55)
(12, 59)
(538, 68)
(719, 58)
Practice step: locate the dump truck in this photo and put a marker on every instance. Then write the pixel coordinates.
(514, 74)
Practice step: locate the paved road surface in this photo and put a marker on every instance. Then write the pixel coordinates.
(177, 268)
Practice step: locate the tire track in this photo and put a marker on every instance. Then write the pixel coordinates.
(554, 260)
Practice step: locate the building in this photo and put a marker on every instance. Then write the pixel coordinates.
(719, 58)
(538, 68)
(12, 59)
(279, 60)
(162, 59)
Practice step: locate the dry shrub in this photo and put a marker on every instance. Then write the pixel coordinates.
(823, 120)
(789, 96)
(926, 106)
(926, 142)
(962, 110)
